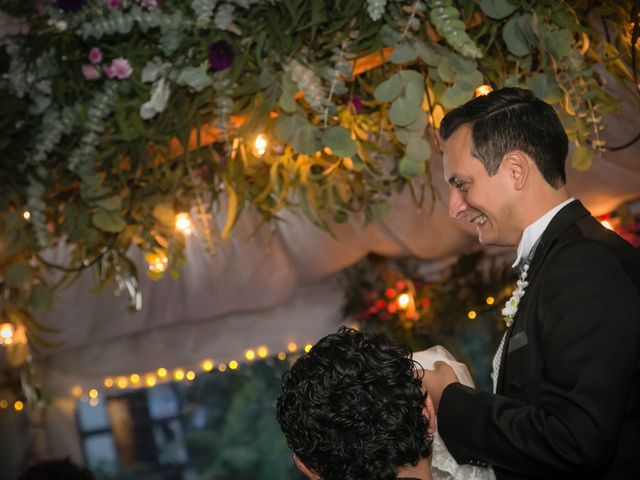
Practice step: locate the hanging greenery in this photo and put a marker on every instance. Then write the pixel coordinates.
(117, 115)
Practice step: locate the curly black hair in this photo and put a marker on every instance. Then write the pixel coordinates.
(351, 408)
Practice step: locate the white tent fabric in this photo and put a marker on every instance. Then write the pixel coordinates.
(276, 286)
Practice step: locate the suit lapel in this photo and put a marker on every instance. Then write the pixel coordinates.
(558, 225)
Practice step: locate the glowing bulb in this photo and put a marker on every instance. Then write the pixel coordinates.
(7, 330)
(233, 365)
(403, 301)
(282, 356)
(4, 404)
(122, 382)
(607, 224)
(263, 351)
(483, 90)
(135, 378)
(93, 393)
(207, 365)
(108, 382)
(190, 375)
(150, 381)
(183, 223)
(26, 215)
(157, 263)
(162, 372)
(249, 355)
(76, 391)
(222, 367)
(308, 347)
(260, 145)
(18, 405)
(472, 315)
(491, 300)
(178, 374)
(292, 347)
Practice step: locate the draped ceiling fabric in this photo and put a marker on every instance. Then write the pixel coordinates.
(276, 285)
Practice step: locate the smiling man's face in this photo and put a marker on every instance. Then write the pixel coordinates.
(475, 197)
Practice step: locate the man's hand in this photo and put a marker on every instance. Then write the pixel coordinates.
(435, 381)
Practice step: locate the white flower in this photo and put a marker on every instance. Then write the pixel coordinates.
(511, 306)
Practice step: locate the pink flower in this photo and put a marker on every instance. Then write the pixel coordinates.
(119, 68)
(149, 4)
(113, 4)
(90, 72)
(95, 55)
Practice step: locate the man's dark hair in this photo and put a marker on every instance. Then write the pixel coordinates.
(351, 408)
(56, 469)
(513, 119)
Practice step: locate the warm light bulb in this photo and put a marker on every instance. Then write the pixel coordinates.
(472, 315)
(26, 215)
(607, 224)
(3, 404)
(403, 301)
(249, 355)
(122, 382)
(150, 381)
(162, 372)
(108, 382)
(222, 367)
(76, 391)
(18, 405)
(308, 347)
(207, 365)
(292, 347)
(483, 90)
(7, 330)
(260, 145)
(93, 393)
(282, 356)
(491, 300)
(157, 263)
(233, 365)
(135, 378)
(263, 351)
(183, 223)
(178, 374)
(190, 375)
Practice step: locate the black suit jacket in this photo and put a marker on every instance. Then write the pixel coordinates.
(568, 395)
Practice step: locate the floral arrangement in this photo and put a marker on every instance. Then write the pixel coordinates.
(120, 115)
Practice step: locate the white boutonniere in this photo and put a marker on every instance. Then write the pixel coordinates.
(511, 307)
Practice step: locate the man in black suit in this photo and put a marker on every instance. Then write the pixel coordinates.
(566, 400)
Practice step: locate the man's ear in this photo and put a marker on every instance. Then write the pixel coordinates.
(305, 471)
(430, 412)
(518, 165)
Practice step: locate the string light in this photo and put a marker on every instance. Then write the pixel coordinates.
(222, 367)
(178, 374)
(260, 145)
(483, 90)
(472, 315)
(122, 383)
(207, 365)
(18, 405)
(108, 382)
(7, 331)
(233, 365)
(157, 263)
(490, 300)
(150, 381)
(76, 391)
(403, 301)
(93, 393)
(135, 378)
(190, 375)
(249, 355)
(162, 372)
(308, 347)
(183, 223)
(26, 215)
(282, 356)
(4, 404)
(263, 351)
(292, 347)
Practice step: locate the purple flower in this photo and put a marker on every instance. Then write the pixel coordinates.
(150, 4)
(90, 72)
(113, 4)
(95, 55)
(71, 5)
(220, 55)
(356, 103)
(119, 68)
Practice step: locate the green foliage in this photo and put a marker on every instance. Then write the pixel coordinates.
(103, 164)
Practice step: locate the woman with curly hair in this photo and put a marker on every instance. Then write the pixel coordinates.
(353, 408)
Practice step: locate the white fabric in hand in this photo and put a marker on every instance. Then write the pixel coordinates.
(443, 465)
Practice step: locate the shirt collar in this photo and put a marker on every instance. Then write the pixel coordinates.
(534, 231)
